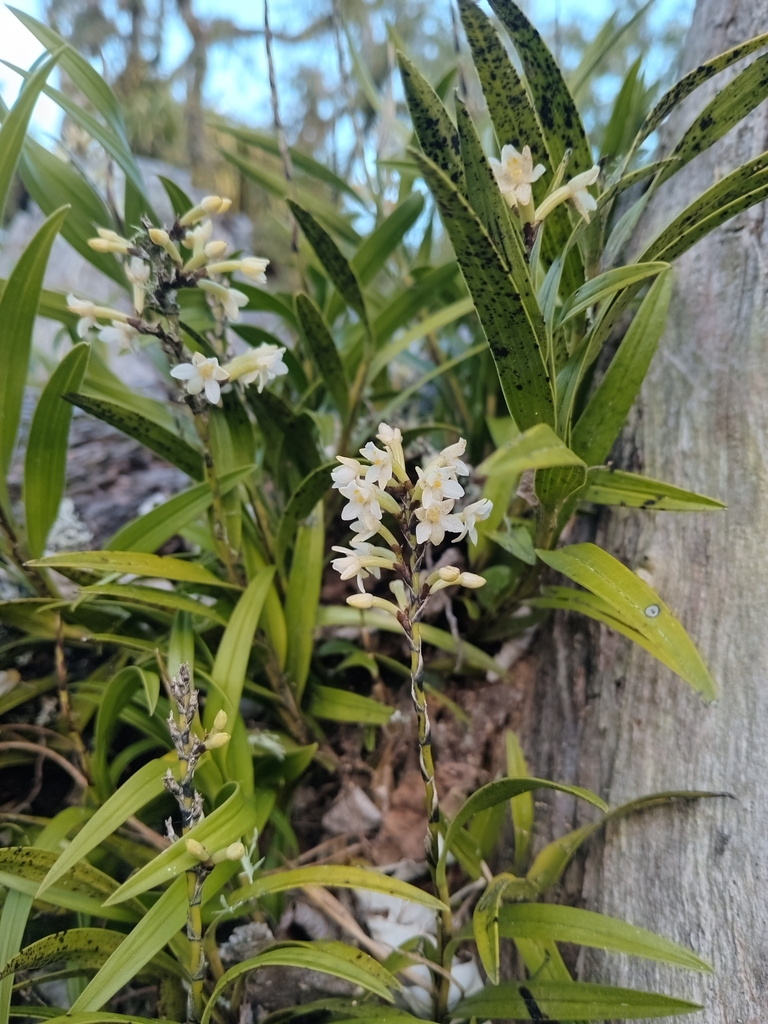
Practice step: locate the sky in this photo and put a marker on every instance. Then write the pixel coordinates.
(237, 86)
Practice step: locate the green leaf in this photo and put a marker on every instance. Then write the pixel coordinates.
(410, 301)
(585, 928)
(157, 438)
(345, 706)
(485, 919)
(117, 695)
(216, 831)
(514, 118)
(53, 183)
(343, 615)
(333, 260)
(553, 487)
(178, 198)
(604, 416)
(129, 595)
(438, 371)
(513, 342)
(521, 806)
(83, 889)
(574, 1000)
(429, 325)
(149, 532)
(559, 118)
(615, 487)
(434, 129)
(637, 605)
(734, 101)
(617, 136)
(303, 598)
(311, 489)
(334, 877)
(234, 649)
(538, 447)
(158, 926)
(46, 457)
(18, 309)
(86, 947)
(602, 287)
(376, 249)
(322, 348)
(700, 74)
(15, 125)
(136, 563)
(606, 40)
(504, 789)
(53, 306)
(355, 967)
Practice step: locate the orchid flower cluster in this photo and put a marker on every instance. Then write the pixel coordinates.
(157, 270)
(423, 510)
(515, 174)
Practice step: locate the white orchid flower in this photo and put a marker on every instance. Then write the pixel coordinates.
(252, 266)
(343, 475)
(472, 514)
(515, 174)
(263, 364)
(576, 191)
(231, 299)
(435, 520)
(137, 272)
(380, 470)
(90, 313)
(438, 482)
(202, 374)
(362, 561)
(363, 503)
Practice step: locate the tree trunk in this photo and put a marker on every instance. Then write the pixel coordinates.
(604, 714)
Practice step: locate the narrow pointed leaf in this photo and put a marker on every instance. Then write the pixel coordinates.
(485, 919)
(521, 806)
(157, 438)
(586, 928)
(376, 249)
(334, 877)
(606, 285)
(574, 1000)
(311, 489)
(135, 563)
(636, 604)
(434, 129)
(333, 260)
(46, 457)
(321, 346)
(559, 118)
(512, 339)
(18, 308)
(604, 416)
(15, 125)
(303, 597)
(345, 706)
(538, 447)
(615, 487)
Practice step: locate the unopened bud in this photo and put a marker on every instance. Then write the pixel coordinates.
(215, 250)
(449, 573)
(471, 580)
(235, 851)
(361, 601)
(220, 721)
(195, 849)
(163, 239)
(211, 205)
(219, 739)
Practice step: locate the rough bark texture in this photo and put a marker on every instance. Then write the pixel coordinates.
(625, 725)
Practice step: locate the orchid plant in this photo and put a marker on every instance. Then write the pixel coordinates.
(492, 348)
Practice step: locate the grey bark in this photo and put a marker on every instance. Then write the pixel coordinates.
(604, 713)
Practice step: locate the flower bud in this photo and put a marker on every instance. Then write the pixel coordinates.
(211, 205)
(220, 721)
(361, 601)
(215, 250)
(471, 580)
(163, 239)
(220, 739)
(449, 573)
(235, 851)
(195, 849)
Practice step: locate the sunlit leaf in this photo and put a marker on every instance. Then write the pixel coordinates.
(575, 1000)
(607, 486)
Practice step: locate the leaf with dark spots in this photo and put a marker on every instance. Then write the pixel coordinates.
(555, 106)
(729, 106)
(332, 258)
(433, 127)
(502, 313)
(690, 82)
